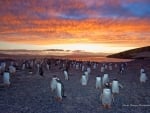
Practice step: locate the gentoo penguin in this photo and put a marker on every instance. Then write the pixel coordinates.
(88, 70)
(110, 66)
(6, 78)
(98, 83)
(87, 75)
(41, 71)
(116, 65)
(12, 69)
(122, 68)
(115, 86)
(105, 79)
(106, 96)
(84, 80)
(94, 66)
(143, 77)
(59, 90)
(23, 66)
(102, 69)
(47, 67)
(66, 75)
(83, 67)
(53, 83)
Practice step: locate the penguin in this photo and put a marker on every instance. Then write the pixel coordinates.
(115, 86)
(47, 67)
(12, 69)
(66, 75)
(88, 70)
(94, 66)
(82, 68)
(106, 96)
(53, 84)
(23, 66)
(143, 77)
(3, 66)
(102, 69)
(6, 78)
(105, 79)
(110, 67)
(84, 80)
(87, 75)
(98, 83)
(116, 65)
(60, 90)
(41, 71)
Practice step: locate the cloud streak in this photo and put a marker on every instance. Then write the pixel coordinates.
(44, 22)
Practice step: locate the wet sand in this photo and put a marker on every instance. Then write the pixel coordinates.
(31, 93)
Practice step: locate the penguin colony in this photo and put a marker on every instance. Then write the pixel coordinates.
(108, 88)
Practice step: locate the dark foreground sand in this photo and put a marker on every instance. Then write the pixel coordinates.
(31, 93)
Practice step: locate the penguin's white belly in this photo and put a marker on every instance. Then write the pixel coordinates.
(23, 67)
(115, 87)
(66, 75)
(89, 70)
(84, 80)
(143, 77)
(47, 66)
(106, 97)
(59, 90)
(98, 82)
(12, 69)
(53, 84)
(6, 78)
(86, 75)
(105, 79)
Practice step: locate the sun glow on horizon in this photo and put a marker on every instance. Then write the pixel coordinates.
(95, 48)
(87, 47)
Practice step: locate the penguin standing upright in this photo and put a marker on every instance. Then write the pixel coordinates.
(105, 79)
(83, 80)
(106, 96)
(6, 78)
(41, 71)
(66, 75)
(59, 90)
(98, 83)
(88, 70)
(23, 66)
(87, 75)
(53, 83)
(143, 77)
(115, 86)
(102, 69)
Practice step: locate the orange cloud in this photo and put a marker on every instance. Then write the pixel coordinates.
(54, 31)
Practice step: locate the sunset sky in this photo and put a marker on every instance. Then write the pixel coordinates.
(92, 25)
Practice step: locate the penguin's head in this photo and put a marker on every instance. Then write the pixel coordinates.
(107, 85)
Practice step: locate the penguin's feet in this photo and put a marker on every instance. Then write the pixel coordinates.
(58, 99)
(106, 106)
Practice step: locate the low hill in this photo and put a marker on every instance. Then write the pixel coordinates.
(138, 53)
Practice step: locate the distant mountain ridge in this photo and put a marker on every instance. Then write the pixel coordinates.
(138, 53)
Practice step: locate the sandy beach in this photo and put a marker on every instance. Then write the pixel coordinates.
(30, 93)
